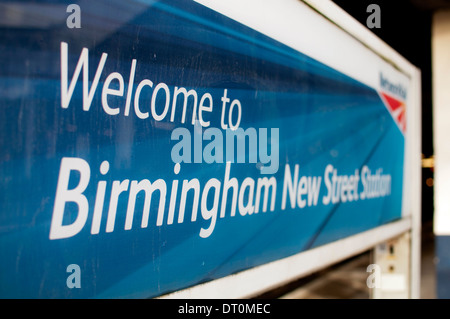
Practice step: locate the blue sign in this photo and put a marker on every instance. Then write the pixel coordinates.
(162, 145)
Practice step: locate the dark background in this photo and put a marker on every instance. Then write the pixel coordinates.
(406, 26)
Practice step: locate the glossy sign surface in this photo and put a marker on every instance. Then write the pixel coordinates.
(93, 173)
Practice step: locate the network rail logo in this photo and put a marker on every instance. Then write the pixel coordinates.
(394, 97)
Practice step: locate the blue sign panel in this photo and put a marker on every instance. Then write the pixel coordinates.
(162, 145)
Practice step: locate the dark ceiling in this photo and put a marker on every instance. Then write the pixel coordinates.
(431, 4)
